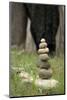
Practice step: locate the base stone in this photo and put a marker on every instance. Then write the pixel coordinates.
(26, 77)
(46, 83)
(43, 83)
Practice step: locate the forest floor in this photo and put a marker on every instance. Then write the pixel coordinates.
(28, 61)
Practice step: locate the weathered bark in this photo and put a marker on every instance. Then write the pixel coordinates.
(20, 34)
(18, 23)
(60, 33)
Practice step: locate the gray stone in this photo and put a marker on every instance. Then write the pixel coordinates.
(43, 45)
(42, 51)
(46, 84)
(45, 73)
(43, 64)
(43, 57)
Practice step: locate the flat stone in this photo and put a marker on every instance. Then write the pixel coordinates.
(43, 45)
(45, 73)
(42, 51)
(26, 77)
(42, 40)
(43, 64)
(46, 83)
(43, 57)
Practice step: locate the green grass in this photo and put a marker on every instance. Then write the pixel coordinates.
(28, 62)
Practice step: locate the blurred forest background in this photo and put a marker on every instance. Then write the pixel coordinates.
(20, 34)
(21, 38)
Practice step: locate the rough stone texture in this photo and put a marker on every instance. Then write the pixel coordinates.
(43, 64)
(42, 45)
(45, 73)
(42, 51)
(44, 57)
(46, 84)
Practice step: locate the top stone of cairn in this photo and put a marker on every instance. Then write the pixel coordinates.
(42, 44)
(43, 40)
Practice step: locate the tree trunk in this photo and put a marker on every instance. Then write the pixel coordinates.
(60, 33)
(18, 23)
(30, 45)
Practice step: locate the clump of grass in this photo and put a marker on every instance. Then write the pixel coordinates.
(28, 62)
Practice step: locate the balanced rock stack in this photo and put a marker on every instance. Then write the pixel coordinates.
(44, 68)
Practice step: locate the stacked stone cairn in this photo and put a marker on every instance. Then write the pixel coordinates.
(44, 79)
(44, 68)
